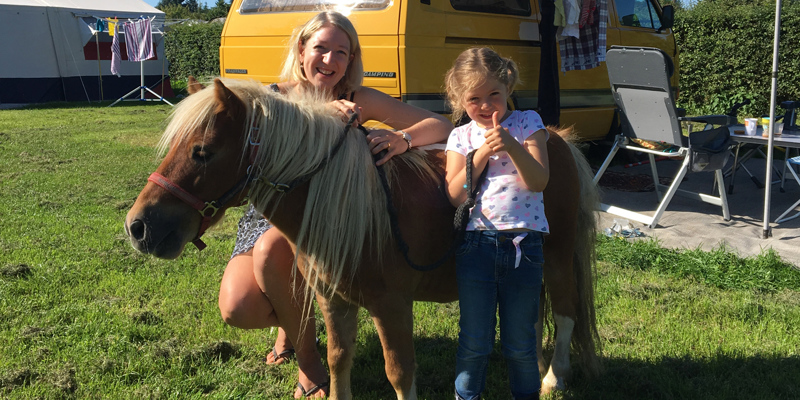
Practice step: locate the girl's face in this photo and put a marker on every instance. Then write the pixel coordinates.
(481, 102)
(325, 57)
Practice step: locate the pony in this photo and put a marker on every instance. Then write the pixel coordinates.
(315, 179)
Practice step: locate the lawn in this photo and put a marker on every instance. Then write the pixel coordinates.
(83, 315)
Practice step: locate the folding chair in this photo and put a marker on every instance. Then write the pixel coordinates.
(639, 78)
(791, 164)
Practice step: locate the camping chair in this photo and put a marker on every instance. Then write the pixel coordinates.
(639, 78)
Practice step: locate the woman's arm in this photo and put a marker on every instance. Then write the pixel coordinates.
(423, 126)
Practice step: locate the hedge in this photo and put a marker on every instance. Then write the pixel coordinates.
(726, 56)
(193, 49)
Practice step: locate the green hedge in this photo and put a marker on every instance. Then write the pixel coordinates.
(726, 56)
(193, 49)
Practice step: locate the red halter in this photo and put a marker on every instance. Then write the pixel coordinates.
(207, 209)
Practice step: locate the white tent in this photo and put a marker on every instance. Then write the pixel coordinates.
(50, 51)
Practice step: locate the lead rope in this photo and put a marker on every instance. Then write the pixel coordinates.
(459, 222)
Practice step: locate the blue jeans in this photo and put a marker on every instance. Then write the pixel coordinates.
(487, 279)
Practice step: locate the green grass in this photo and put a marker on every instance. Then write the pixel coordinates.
(83, 315)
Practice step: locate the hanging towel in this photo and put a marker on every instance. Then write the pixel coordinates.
(112, 26)
(116, 58)
(138, 40)
(590, 49)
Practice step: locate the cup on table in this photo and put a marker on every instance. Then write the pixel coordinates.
(750, 126)
(765, 126)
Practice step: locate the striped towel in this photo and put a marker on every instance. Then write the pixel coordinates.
(138, 40)
(116, 58)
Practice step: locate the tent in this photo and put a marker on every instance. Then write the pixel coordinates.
(51, 51)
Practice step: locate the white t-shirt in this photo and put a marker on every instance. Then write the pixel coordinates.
(504, 202)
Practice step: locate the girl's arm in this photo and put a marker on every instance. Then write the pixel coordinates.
(456, 173)
(532, 162)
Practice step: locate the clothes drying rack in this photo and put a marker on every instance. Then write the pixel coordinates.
(142, 88)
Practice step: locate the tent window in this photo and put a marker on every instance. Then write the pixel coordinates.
(509, 7)
(637, 13)
(264, 6)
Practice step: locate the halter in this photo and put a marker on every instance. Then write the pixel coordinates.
(286, 187)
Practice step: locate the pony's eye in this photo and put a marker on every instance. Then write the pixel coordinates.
(201, 155)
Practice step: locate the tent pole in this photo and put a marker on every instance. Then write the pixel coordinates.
(767, 232)
(99, 67)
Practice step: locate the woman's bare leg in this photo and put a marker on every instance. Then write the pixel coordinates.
(273, 260)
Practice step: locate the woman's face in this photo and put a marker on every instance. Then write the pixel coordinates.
(325, 57)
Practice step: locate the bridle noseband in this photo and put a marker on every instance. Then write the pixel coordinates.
(207, 209)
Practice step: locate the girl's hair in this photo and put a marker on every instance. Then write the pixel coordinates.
(471, 69)
(353, 75)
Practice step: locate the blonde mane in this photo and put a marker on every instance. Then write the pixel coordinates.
(345, 211)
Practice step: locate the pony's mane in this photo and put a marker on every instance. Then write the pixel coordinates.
(346, 207)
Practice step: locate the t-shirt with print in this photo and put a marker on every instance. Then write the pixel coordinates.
(504, 202)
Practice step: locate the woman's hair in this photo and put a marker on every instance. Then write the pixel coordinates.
(353, 75)
(471, 69)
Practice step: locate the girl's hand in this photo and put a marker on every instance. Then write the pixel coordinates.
(498, 138)
(392, 142)
(345, 109)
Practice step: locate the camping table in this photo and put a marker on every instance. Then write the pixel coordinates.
(789, 139)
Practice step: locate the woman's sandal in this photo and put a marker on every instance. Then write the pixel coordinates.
(313, 390)
(279, 358)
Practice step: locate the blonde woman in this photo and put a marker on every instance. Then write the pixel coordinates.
(258, 289)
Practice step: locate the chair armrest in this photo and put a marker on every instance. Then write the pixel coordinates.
(680, 112)
(709, 119)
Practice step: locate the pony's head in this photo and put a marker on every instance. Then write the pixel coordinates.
(203, 162)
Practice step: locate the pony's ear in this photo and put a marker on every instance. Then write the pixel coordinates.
(227, 101)
(193, 86)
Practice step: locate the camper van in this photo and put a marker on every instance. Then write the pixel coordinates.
(408, 45)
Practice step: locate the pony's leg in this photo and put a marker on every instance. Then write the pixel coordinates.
(559, 370)
(341, 321)
(559, 283)
(394, 321)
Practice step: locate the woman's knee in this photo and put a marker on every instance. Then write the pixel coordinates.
(241, 302)
(272, 253)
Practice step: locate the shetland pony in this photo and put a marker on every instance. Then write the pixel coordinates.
(316, 181)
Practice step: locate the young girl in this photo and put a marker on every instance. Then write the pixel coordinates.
(500, 261)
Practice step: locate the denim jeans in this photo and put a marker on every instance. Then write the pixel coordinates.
(487, 278)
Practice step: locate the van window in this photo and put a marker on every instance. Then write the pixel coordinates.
(637, 13)
(261, 6)
(510, 7)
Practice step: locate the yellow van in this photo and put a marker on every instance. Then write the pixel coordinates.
(408, 46)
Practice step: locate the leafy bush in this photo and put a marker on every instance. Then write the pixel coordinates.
(193, 49)
(726, 55)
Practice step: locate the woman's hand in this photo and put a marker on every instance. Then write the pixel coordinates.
(345, 109)
(392, 142)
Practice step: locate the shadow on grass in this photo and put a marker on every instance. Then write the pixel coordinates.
(723, 377)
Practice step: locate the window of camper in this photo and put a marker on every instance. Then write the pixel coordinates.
(510, 7)
(263, 6)
(637, 13)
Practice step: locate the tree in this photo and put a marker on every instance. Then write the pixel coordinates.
(169, 3)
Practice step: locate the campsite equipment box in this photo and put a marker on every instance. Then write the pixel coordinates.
(408, 46)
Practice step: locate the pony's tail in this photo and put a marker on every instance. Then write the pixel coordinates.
(585, 338)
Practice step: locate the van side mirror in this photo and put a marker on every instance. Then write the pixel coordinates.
(667, 18)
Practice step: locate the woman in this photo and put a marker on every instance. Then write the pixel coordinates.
(258, 289)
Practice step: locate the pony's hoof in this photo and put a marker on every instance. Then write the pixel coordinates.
(552, 384)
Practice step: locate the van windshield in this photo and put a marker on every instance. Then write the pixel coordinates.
(263, 6)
